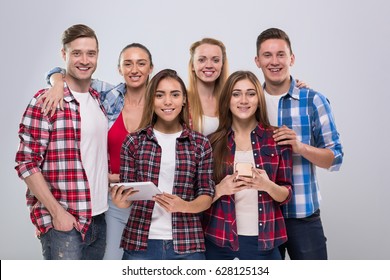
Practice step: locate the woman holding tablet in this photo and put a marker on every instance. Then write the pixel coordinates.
(179, 161)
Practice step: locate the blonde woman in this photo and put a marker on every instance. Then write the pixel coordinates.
(207, 72)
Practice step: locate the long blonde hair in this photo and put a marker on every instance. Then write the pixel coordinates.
(196, 110)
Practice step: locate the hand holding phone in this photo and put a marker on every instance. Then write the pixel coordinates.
(244, 169)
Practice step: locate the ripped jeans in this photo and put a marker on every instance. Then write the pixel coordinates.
(68, 245)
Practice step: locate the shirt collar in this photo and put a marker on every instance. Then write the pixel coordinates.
(149, 132)
(293, 91)
(121, 88)
(259, 130)
(68, 96)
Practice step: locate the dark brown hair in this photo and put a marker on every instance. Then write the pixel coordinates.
(78, 31)
(272, 33)
(140, 46)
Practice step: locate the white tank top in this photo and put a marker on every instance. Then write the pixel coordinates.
(210, 124)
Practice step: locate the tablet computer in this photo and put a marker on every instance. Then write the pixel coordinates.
(146, 190)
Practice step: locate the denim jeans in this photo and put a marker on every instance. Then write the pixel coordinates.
(248, 251)
(161, 250)
(68, 245)
(306, 239)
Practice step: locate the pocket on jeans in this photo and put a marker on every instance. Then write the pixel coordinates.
(63, 231)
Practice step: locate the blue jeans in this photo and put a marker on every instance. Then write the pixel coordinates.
(306, 239)
(248, 250)
(161, 250)
(68, 245)
(116, 219)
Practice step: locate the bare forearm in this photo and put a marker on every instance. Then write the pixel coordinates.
(318, 156)
(199, 204)
(38, 185)
(278, 193)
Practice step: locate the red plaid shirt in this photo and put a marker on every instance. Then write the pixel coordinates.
(51, 145)
(140, 161)
(219, 220)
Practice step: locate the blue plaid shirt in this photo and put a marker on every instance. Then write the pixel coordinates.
(309, 114)
(112, 98)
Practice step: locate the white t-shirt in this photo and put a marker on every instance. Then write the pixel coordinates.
(272, 102)
(247, 213)
(93, 146)
(161, 225)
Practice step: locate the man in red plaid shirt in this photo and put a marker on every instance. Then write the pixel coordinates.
(63, 158)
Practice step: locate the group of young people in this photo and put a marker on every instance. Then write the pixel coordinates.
(188, 141)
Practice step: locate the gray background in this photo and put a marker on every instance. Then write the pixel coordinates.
(342, 50)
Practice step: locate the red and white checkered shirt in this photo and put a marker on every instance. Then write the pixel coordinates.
(140, 161)
(51, 145)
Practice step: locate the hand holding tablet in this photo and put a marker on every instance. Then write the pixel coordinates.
(145, 190)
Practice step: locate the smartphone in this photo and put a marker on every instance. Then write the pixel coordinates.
(244, 169)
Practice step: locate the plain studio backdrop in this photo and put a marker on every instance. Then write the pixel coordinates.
(342, 50)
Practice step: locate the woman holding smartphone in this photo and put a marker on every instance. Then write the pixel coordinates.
(245, 220)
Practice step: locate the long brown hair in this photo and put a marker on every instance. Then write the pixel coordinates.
(193, 96)
(219, 139)
(149, 117)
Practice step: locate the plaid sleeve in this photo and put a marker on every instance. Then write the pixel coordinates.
(101, 86)
(34, 134)
(324, 130)
(128, 168)
(206, 183)
(284, 170)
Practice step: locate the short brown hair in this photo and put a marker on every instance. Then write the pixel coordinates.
(78, 31)
(272, 33)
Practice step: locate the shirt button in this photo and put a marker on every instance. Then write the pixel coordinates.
(253, 143)
(261, 224)
(257, 165)
(260, 195)
(260, 209)
(255, 154)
